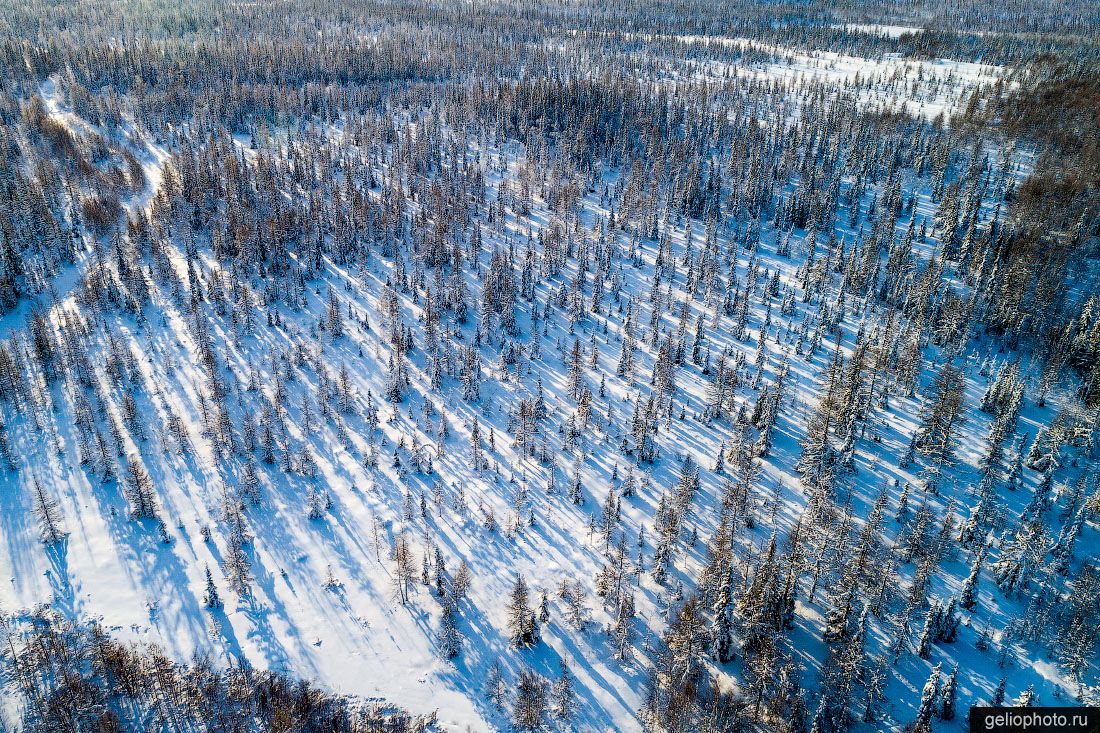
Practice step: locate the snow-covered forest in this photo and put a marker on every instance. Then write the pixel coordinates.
(630, 365)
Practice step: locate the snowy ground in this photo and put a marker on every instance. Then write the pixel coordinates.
(888, 31)
(920, 87)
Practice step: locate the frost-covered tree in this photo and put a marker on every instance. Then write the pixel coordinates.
(564, 694)
(523, 628)
(140, 490)
(48, 513)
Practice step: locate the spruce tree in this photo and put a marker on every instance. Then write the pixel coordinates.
(522, 624)
(210, 597)
(564, 693)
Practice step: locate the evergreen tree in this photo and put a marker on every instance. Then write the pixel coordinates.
(564, 693)
(522, 625)
(210, 597)
(943, 416)
(450, 638)
(947, 711)
(928, 699)
(529, 708)
(139, 490)
(968, 598)
(48, 514)
(495, 688)
(998, 694)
